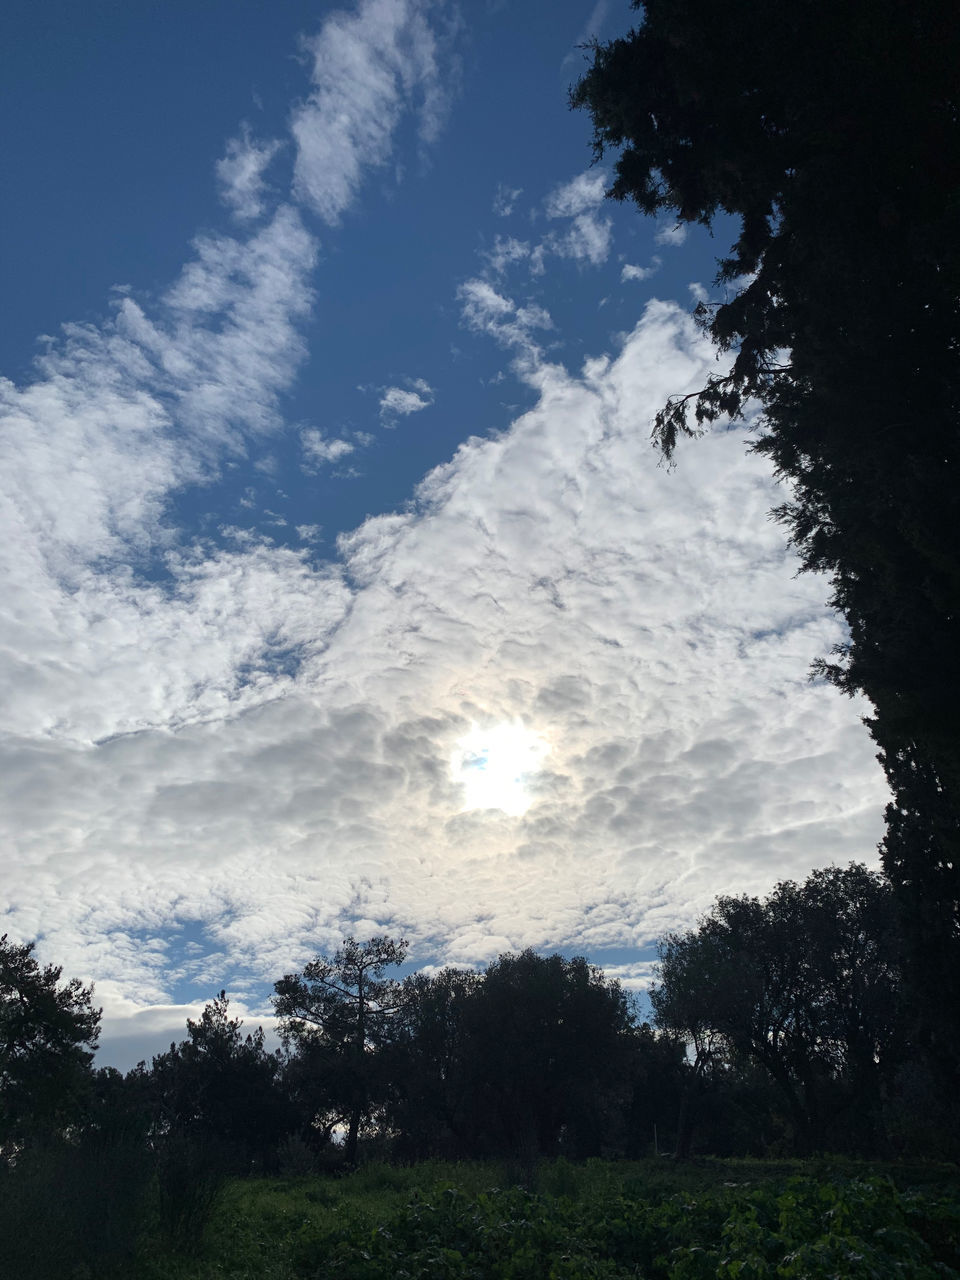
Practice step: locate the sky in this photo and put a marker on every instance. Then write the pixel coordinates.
(343, 592)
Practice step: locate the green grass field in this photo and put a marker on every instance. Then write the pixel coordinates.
(653, 1219)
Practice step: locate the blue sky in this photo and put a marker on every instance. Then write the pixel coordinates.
(343, 592)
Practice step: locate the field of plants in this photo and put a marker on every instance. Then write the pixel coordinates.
(598, 1221)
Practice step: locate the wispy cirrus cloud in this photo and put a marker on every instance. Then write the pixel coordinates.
(505, 200)
(484, 310)
(367, 67)
(506, 251)
(589, 235)
(240, 174)
(579, 195)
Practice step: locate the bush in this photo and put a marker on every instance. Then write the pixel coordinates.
(72, 1210)
(189, 1176)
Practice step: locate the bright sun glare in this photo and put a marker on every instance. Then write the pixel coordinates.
(494, 766)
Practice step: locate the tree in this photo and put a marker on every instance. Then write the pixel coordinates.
(830, 130)
(337, 1013)
(548, 1042)
(430, 1105)
(221, 1088)
(806, 984)
(48, 1035)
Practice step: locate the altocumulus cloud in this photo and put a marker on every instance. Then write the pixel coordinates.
(647, 624)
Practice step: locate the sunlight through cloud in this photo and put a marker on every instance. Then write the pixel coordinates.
(494, 766)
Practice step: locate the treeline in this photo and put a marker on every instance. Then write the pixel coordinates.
(778, 1028)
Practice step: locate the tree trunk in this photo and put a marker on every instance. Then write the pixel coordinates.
(350, 1146)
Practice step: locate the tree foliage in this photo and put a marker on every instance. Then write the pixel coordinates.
(220, 1087)
(806, 984)
(830, 131)
(48, 1035)
(549, 1039)
(338, 1012)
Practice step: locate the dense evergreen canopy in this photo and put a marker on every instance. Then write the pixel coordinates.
(830, 130)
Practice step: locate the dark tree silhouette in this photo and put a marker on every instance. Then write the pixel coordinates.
(48, 1035)
(830, 130)
(221, 1087)
(432, 1102)
(337, 1013)
(805, 983)
(548, 1042)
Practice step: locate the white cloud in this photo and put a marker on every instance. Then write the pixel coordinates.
(671, 233)
(257, 745)
(505, 199)
(368, 67)
(318, 449)
(505, 252)
(638, 976)
(240, 174)
(590, 31)
(647, 625)
(485, 310)
(400, 402)
(589, 235)
(581, 193)
(588, 239)
(111, 623)
(631, 272)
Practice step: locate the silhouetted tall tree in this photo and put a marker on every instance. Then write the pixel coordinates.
(830, 129)
(337, 1013)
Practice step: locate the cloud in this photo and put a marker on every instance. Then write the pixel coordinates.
(671, 233)
(317, 449)
(252, 745)
(588, 239)
(400, 402)
(368, 68)
(585, 191)
(240, 174)
(485, 310)
(648, 625)
(590, 31)
(505, 252)
(589, 236)
(505, 199)
(113, 622)
(630, 272)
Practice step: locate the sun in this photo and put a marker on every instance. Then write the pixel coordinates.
(495, 764)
